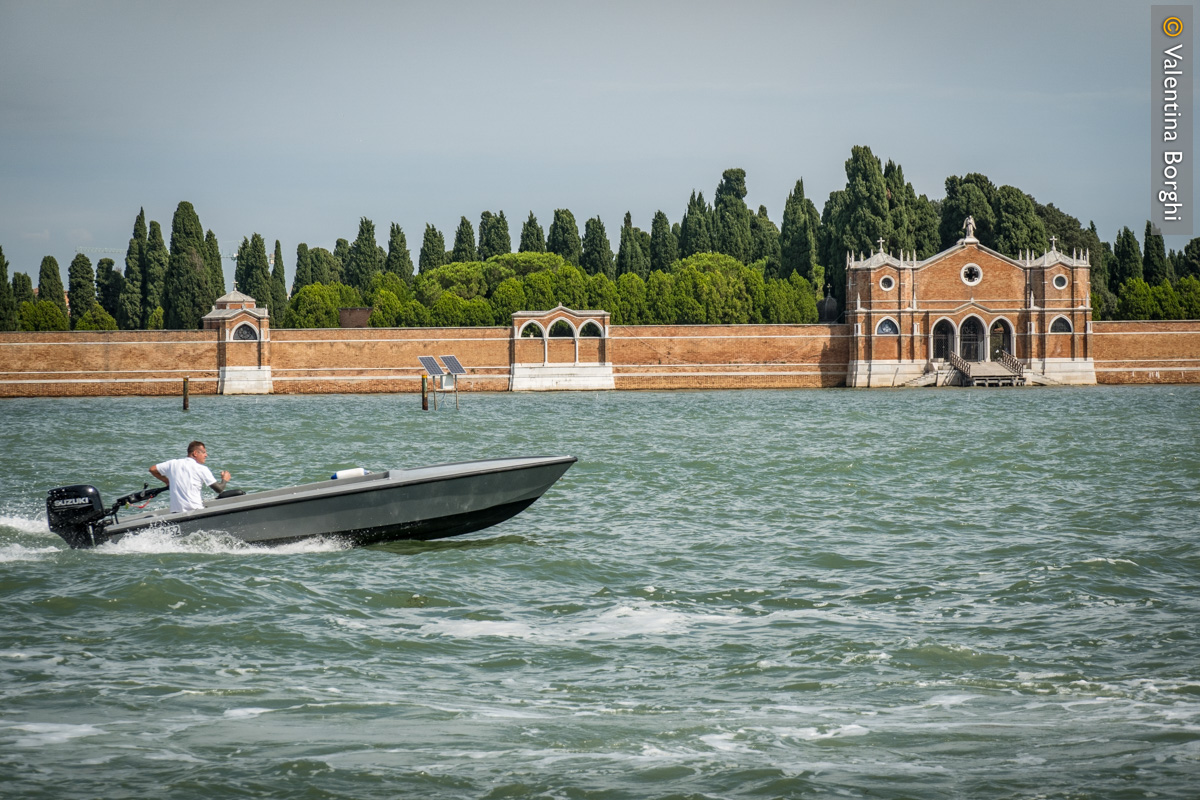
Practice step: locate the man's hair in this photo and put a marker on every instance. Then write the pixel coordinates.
(194, 445)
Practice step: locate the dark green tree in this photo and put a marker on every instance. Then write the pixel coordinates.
(50, 285)
(765, 244)
(660, 299)
(322, 266)
(597, 258)
(279, 293)
(1155, 267)
(129, 306)
(341, 253)
(464, 242)
(1136, 301)
(974, 196)
(1188, 289)
(109, 284)
(508, 299)
(363, 260)
(1127, 265)
(43, 315)
(1191, 260)
(8, 306)
(798, 236)
(533, 239)
(856, 218)
(81, 287)
(731, 216)
(303, 274)
(695, 229)
(631, 255)
(602, 293)
(22, 287)
(563, 237)
(97, 319)
(1018, 227)
(399, 260)
(216, 272)
(155, 259)
(252, 263)
(494, 238)
(632, 308)
(186, 294)
(433, 249)
(664, 249)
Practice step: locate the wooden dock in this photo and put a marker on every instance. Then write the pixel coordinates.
(1005, 372)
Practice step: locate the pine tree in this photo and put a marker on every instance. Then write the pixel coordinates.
(1128, 260)
(81, 287)
(798, 237)
(362, 261)
(563, 237)
(731, 216)
(433, 249)
(50, 285)
(216, 274)
(186, 293)
(765, 246)
(664, 249)
(533, 240)
(399, 260)
(279, 295)
(155, 258)
(1155, 267)
(494, 238)
(8, 306)
(597, 256)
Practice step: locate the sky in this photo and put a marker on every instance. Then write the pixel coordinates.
(295, 119)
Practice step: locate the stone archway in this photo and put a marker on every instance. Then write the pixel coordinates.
(943, 340)
(971, 340)
(1000, 340)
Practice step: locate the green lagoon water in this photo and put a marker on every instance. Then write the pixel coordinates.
(919, 594)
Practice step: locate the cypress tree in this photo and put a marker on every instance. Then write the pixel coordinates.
(279, 295)
(433, 249)
(1191, 260)
(765, 246)
(1155, 267)
(8, 306)
(22, 289)
(731, 216)
(154, 271)
(129, 305)
(50, 285)
(494, 237)
(664, 249)
(186, 294)
(798, 236)
(303, 275)
(464, 242)
(109, 285)
(1127, 265)
(81, 287)
(363, 261)
(563, 237)
(216, 273)
(341, 251)
(1018, 227)
(322, 265)
(972, 195)
(632, 253)
(399, 260)
(533, 239)
(695, 229)
(256, 270)
(597, 255)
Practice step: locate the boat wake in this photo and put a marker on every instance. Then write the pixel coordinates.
(168, 540)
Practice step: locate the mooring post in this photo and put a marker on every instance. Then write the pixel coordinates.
(424, 392)
(185, 392)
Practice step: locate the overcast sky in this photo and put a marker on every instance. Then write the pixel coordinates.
(295, 119)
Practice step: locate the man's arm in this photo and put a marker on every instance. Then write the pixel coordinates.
(219, 486)
(154, 471)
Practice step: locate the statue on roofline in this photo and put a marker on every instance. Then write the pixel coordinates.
(969, 226)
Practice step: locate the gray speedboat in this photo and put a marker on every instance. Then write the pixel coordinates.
(422, 503)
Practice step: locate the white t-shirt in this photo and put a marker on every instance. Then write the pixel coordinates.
(187, 476)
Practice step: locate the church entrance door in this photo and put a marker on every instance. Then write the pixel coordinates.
(971, 340)
(1000, 340)
(943, 340)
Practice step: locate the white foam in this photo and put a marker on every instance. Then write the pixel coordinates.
(947, 700)
(1099, 559)
(16, 552)
(167, 540)
(246, 713)
(622, 621)
(48, 733)
(36, 524)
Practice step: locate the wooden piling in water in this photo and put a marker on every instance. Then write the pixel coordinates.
(185, 392)
(424, 392)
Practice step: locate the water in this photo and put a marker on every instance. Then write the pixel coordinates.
(925, 593)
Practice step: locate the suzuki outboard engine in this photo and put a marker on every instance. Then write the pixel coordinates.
(77, 514)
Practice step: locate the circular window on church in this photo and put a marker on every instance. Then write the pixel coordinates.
(971, 274)
(1060, 281)
(887, 283)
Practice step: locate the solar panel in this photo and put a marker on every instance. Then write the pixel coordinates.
(453, 365)
(431, 366)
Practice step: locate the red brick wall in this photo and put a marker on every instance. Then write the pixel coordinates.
(1147, 352)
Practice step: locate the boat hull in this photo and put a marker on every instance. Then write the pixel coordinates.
(421, 504)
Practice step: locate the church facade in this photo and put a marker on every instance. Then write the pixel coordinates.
(912, 320)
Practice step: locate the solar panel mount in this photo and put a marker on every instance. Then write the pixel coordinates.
(452, 363)
(431, 365)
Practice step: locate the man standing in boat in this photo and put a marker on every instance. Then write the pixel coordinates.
(187, 476)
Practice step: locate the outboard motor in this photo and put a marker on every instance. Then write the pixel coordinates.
(76, 513)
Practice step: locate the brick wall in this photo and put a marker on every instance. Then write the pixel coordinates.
(1147, 352)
